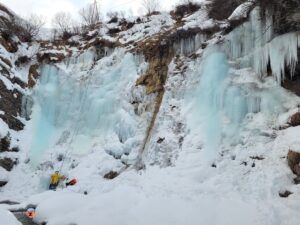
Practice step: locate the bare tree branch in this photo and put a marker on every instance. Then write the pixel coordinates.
(90, 15)
(150, 6)
(62, 21)
(34, 24)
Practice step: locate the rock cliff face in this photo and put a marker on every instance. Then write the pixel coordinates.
(11, 93)
(165, 53)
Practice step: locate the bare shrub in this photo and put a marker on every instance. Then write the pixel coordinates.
(186, 7)
(62, 23)
(90, 15)
(115, 16)
(76, 28)
(150, 6)
(26, 30)
(285, 14)
(221, 10)
(33, 25)
(22, 60)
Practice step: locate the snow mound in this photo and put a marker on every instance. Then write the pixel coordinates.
(128, 205)
(241, 11)
(7, 218)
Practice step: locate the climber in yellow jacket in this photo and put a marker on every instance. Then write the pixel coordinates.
(55, 178)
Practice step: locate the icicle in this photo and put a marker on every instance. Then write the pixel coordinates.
(283, 51)
(249, 37)
(220, 105)
(187, 46)
(251, 45)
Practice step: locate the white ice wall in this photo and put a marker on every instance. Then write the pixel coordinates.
(84, 104)
(254, 44)
(226, 90)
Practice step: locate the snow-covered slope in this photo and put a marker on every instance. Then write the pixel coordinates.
(186, 113)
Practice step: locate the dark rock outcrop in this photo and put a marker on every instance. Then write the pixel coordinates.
(22, 60)
(9, 45)
(285, 194)
(185, 9)
(5, 144)
(33, 75)
(49, 57)
(297, 180)
(111, 175)
(8, 163)
(11, 104)
(7, 202)
(295, 120)
(2, 183)
(220, 10)
(293, 161)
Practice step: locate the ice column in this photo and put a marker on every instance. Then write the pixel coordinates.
(219, 106)
(82, 104)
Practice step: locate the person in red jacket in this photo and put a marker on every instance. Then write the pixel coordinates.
(71, 182)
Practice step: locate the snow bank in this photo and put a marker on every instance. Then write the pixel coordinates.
(3, 174)
(197, 19)
(289, 139)
(241, 11)
(128, 205)
(148, 27)
(7, 218)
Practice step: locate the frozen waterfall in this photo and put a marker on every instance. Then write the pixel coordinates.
(252, 44)
(84, 104)
(224, 97)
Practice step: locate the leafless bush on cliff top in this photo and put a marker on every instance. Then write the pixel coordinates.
(186, 7)
(25, 29)
(33, 24)
(220, 9)
(150, 6)
(62, 21)
(90, 15)
(115, 16)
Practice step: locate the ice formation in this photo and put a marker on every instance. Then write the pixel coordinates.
(189, 45)
(222, 100)
(218, 103)
(253, 44)
(207, 99)
(85, 102)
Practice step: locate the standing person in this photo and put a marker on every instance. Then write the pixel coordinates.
(55, 178)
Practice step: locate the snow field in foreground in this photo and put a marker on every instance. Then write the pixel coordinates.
(7, 218)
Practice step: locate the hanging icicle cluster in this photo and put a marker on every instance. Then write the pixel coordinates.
(253, 45)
